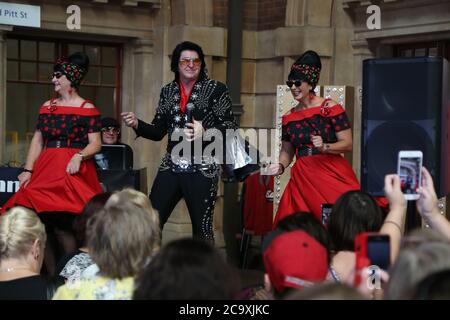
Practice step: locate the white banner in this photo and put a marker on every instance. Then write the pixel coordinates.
(14, 14)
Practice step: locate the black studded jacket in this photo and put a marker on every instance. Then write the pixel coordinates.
(212, 106)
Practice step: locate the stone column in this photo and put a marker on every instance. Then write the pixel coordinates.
(361, 51)
(192, 12)
(3, 63)
(231, 221)
(138, 95)
(295, 13)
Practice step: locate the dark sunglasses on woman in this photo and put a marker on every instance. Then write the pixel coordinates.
(57, 75)
(290, 83)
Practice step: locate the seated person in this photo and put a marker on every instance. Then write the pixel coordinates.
(118, 255)
(22, 245)
(73, 264)
(110, 157)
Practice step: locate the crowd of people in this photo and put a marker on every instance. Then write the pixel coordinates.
(302, 258)
(111, 241)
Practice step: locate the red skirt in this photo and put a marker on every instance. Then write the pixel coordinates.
(315, 180)
(51, 188)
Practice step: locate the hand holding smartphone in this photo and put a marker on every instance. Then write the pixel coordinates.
(371, 249)
(409, 170)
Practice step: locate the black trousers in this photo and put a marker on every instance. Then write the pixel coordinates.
(198, 191)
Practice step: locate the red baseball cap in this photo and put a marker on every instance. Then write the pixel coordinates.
(294, 259)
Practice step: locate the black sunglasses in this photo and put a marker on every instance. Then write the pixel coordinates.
(111, 129)
(290, 83)
(57, 75)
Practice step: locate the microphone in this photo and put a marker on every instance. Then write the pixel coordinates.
(189, 108)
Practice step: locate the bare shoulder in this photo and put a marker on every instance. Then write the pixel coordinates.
(47, 103)
(89, 105)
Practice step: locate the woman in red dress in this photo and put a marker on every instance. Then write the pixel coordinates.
(59, 177)
(317, 131)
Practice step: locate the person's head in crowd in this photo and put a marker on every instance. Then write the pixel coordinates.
(421, 254)
(68, 72)
(188, 61)
(293, 260)
(22, 240)
(141, 200)
(418, 237)
(307, 222)
(327, 291)
(187, 269)
(122, 237)
(436, 286)
(354, 212)
(110, 130)
(96, 203)
(134, 196)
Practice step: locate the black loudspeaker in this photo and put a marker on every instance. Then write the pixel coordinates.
(405, 106)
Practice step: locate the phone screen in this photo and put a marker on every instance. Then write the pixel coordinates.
(326, 211)
(409, 173)
(379, 251)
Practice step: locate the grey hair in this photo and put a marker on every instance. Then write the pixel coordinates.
(124, 234)
(422, 253)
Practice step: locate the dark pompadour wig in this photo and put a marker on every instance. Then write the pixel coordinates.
(187, 45)
(312, 60)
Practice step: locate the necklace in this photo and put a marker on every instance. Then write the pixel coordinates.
(14, 269)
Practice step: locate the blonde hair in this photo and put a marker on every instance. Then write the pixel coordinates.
(141, 200)
(134, 196)
(124, 235)
(19, 228)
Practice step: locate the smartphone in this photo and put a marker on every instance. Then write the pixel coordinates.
(371, 249)
(409, 170)
(374, 249)
(326, 211)
(379, 250)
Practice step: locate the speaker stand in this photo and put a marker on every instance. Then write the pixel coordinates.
(413, 219)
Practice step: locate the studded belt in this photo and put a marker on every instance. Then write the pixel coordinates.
(186, 165)
(64, 144)
(306, 151)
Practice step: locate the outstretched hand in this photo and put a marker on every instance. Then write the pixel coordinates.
(393, 191)
(271, 169)
(130, 119)
(427, 203)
